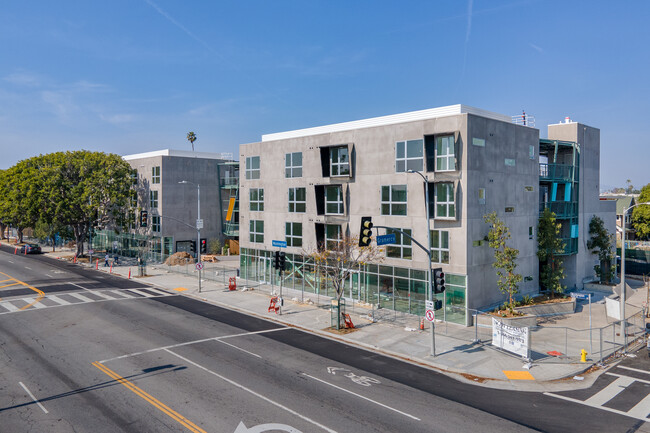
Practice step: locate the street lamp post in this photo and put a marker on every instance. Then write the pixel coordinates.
(430, 289)
(623, 322)
(199, 225)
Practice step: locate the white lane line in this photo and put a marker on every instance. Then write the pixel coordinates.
(187, 343)
(48, 275)
(158, 291)
(239, 348)
(101, 294)
(27, 267)
(36, 305)
(633, 369)
(610, 391)
(122, 292)
(363, 397)
(145, 294)
(80, 297)
(641, 409)
(10, 261)
(33, 398)
(9, 306)
(242, 387)
(608, 409)
(58, 300)
(633, 378)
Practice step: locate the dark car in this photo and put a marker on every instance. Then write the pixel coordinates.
(30, 249)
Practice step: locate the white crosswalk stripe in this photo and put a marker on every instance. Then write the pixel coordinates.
(640, 411)
(15, 305)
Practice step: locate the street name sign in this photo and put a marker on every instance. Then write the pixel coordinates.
(279, 244)
(386, 239)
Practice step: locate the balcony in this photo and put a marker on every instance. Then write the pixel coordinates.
(557, 172)
(570, 246)
(561, 209)
(231, 229)
(229, 182)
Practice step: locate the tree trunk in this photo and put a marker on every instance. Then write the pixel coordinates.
(20, 236)
(3, 227)
(79, 238)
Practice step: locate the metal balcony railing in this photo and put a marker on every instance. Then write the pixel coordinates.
(561, 209)
(229, 182)
(570, 246)
(561, 172)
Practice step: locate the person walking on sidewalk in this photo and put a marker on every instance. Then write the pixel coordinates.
(106, 260)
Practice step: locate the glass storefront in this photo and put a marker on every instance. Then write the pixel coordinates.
(391, 287)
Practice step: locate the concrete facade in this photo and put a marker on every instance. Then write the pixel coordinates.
(496, 170)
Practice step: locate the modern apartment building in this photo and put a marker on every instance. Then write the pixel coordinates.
(309, 186)
(168, 186)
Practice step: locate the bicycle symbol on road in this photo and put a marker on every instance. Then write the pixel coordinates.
(360, 380)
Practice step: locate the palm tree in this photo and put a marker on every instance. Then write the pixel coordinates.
(191, 137)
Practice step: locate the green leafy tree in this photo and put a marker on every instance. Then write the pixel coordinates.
(641, 215)
(601, 243)
(505, 258)
(191, 137)
(549, 248)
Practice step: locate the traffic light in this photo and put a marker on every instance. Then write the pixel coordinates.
(282, 261)
(365, 232)
(192, 247)
(438, 280)
(144, 215)
(204, 246)
(276, 260)
(437, 304)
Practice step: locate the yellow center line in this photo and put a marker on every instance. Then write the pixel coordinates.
(150, 399)
(9, 285)
(40, 293)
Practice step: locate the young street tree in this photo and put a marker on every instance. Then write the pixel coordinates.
(549, 248)
(641, 215)
(338, 259)
(601, 243)
(505, 258)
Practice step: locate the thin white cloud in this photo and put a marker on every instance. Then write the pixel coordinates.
(60, 103)
(24, 78)
(470, 6)
(117, 119)
(536, 48)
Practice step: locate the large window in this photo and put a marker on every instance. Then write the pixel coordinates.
(445, 203)
(332, 236)
(153, 199)
(339, 161)
(293, 234)
(439, 246)
(155, 174)
(445, 154)
(293, 164)
(409, 155)
(393, 200)
(256, 199)
(155, 223)
(334, 200)
(252, 167)
(401, 249)
(256, 231)
(297, 200)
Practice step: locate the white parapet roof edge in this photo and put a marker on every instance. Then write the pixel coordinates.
(177, 153)
(412, 116)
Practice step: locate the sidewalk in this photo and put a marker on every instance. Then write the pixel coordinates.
(477, 363)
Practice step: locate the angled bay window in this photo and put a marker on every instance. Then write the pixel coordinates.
(256, 231)
(393, 200)
(252, 167)
(293, 164)
(256, 199)
(409, 155)
(445, 201)
(445, 153)
(335, 161)
(332, 236)
(297, 200)
(293, 234)
(439, 246)
(401, 249)
(329, 199)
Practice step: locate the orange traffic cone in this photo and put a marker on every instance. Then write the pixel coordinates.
(422, 323)
(97, 264)
(129, 273)
(110, 271)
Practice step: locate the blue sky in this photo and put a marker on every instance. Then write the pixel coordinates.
(130, 76)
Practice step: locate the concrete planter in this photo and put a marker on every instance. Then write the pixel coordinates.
(521, 321)
(550, 309)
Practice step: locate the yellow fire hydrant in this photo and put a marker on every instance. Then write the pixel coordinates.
(583, 355)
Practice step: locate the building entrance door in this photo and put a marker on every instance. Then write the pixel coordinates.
(264, 268)
(351, 289)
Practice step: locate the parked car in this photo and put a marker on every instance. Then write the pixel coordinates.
(30, 249)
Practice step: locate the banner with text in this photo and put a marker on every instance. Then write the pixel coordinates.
(510, 338)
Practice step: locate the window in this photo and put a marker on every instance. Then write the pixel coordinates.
(293, 164)
(333, 200)
(445, 203)
(256, 231)
(445, 154)
(153, 199)
(409, 155)
(297, 200)
(531, 151)
(481, 196)
(155, 223)
(293, 234)
(510, 162)
(155, 174)
(480, 142)
(531, 232)
(510, 209)
(401, 249)
(252, 167)
(256, 199)
(393, 200)
(339, 161)
(440, 246)
(529, 188)
(332, 236)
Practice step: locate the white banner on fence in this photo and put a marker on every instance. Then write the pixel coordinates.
(510, 338)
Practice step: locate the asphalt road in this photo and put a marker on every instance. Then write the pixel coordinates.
(97, 353)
